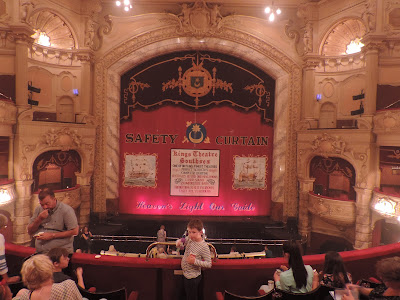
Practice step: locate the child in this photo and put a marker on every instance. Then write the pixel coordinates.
(60, 259)
(197, 255)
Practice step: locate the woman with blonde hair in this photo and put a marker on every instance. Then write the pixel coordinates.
(37, 275)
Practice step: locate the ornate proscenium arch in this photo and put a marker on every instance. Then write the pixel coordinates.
(134, 51)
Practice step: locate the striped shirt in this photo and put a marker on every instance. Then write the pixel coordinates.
(3, 264)
(203, 258)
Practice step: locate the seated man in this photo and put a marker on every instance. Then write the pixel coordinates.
(60, 259)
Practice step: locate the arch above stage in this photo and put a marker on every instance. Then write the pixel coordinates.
(137, 49)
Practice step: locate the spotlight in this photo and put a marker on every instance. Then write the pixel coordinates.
(32, 88)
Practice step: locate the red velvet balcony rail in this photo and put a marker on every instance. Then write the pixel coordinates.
(155, 279)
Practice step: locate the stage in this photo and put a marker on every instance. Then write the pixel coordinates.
(257, 228)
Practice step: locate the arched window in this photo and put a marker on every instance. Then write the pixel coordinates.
(56, 170)
(334, 177)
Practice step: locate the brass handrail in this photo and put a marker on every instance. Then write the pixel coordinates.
(173, 244)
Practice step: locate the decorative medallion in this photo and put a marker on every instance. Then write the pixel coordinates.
(196, 133)
(197, 81)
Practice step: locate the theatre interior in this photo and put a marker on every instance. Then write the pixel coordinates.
(268, 120)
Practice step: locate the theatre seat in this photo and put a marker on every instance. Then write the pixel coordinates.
(230, 296)
(321, 292)
(112, 295)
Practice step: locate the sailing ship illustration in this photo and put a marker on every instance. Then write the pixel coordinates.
(250, 171)
(139, 169)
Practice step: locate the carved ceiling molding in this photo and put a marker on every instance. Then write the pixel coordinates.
(54, 27)
(391, 17)
(338, 37)
(103, 64)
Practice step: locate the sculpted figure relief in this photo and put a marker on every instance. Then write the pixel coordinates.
(199, 19)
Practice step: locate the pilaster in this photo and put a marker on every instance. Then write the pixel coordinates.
(22, 212)
(22, 35)
(363, 237)
(86, 82)
(306, 185)
(310, 63)
(371, 50)
(84, 211)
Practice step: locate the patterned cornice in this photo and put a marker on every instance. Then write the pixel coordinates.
(234, 35)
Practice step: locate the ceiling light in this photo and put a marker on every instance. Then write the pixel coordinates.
(126, 4)
(271, 11)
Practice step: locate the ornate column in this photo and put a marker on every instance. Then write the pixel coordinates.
(11, 157)
(306, 185)
(84, 210)
(85, 93)
(22, 35)
(22, 212)
(371, 50)
(363, 236)
(309, 97)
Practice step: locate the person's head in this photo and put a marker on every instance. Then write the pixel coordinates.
(195, 230)
(388, 269)
(47, 199)
(291, 251)
(233, 249)
(3, 221)
(59, 257)
(37, 270)
(334, 265)
(162, 227)
(85, 229)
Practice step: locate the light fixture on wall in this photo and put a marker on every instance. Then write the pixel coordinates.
(386, 207)
(5, 197)
(272, 11)
(125, 3)
(41, 38)
(354, 46)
